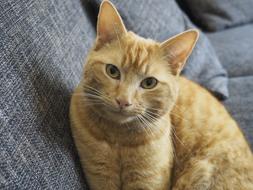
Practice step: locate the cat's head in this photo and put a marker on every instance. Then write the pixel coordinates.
(129, 78)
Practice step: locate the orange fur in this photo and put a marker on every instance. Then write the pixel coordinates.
(210, 150)
(175, 134)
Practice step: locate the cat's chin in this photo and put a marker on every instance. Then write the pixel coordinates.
(120, 117)
(116, 116)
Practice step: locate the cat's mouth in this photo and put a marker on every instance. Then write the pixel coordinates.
(115, 114)
(122, 112)
(121, 115)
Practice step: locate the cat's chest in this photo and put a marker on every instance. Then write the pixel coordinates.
(131, 157)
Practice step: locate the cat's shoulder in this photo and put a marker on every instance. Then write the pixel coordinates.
(191, 92)
(189, 86)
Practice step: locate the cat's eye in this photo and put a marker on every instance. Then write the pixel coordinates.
(113, 71)
(149, 83)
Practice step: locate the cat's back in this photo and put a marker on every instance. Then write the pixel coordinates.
(197, 107)
(198, 116)
(205, 135)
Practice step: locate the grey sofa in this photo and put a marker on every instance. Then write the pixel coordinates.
(43, 45)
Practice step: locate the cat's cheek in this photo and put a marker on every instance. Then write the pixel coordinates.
(157, 102)
(146, 102)
(104, 83)
(137, 98)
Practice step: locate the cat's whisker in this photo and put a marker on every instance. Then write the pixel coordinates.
(155, 116)
(87, 100)
(87, 96)
(150, 117)
(172, 130)
(142, 122)
(91, 92)
(150, 126)
(179, 140)
(95, 94)
(174, 133)
(92, 89)
(177, 115)
(92, 97)
(154, 120)
(94, 104)
(102, 96)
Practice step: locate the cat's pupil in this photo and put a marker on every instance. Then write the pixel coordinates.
(113, 70)
(149, 82)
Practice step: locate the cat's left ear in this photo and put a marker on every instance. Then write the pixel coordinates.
(178, 48)
(109, 25)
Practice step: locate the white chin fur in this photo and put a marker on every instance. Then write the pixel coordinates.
(126, 120)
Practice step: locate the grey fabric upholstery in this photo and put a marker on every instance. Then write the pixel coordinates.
(240, 104)
(213, 15)
(204, 67)
(234, 48)
(42, 48)
(164, 19)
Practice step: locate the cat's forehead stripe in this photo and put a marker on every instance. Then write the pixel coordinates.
(137, 54)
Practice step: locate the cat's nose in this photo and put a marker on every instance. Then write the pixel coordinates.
(123, 103)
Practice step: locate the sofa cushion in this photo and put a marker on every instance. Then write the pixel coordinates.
(162, 20)
(240, 104)
(234, 48)
(42, 49)
(213, 15)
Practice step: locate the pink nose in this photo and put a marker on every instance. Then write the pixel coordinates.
(123, 103)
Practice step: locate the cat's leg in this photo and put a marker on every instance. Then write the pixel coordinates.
(152, 175)
(142, 181)
(100, 165)
(197, 175)
(147, 166)
(98, 181)
(214, 175)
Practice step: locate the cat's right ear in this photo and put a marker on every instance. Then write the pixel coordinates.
(177, 49)
(109, 25)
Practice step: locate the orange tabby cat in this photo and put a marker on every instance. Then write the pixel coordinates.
(138, 125)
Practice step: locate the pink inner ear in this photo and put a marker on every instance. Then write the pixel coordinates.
(179, 48)
(110, 25)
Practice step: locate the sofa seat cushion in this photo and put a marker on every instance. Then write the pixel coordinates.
(240, 104)
(234, 48)
(213, 15)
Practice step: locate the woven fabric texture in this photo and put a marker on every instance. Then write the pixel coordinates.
(214, 15)
(42, 47)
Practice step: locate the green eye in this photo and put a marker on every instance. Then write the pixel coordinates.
(113, 71)
(149, 83)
